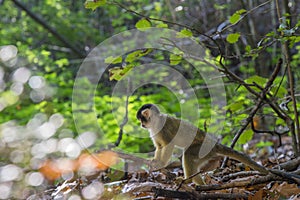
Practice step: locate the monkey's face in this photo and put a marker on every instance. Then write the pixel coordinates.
(145, 119)
(145, 113)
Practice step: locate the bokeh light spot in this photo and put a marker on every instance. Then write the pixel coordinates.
(86, 139)
(93, 191)
(46, 130)
(36, 82)
(5, 190)
(57, 120)
(21, 75)
(8, 52)
(34, 179)
(10, 173)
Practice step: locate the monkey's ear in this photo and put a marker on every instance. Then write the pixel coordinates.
(146, 113)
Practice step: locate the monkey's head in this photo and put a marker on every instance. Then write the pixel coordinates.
(145, 113)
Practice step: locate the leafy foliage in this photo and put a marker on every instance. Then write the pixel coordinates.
(94, 4)
(38, 66)
(236, 16)
(143, 24)
(233, 37)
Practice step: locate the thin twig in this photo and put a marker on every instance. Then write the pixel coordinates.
(167, 22)
(125, 119)
(188, 178)
(243, 16)
(274, 132)
(262, 97)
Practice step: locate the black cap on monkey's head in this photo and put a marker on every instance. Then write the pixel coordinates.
(150, 106)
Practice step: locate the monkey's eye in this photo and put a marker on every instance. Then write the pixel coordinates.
(143, 124)
(143, 119)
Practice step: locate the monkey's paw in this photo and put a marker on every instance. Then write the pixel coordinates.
(156, 164)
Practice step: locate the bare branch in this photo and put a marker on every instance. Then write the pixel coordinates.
(49, 28)
(159, 192)
(262, 97)
(125, 119)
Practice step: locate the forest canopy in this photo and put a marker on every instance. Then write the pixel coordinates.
(73, 75)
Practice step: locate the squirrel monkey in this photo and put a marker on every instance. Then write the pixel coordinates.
(167, 132)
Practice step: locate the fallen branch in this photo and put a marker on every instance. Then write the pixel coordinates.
(159, 192)
(290, 165)
(289, 176)
(249, 181)
(239, 174)
(287, 166)
(246, 182)
(193, 195)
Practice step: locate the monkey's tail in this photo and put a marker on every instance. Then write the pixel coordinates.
(243, 158)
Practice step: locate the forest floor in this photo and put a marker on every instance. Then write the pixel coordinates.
(233, 182)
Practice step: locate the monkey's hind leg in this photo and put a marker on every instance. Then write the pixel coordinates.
(191, 165)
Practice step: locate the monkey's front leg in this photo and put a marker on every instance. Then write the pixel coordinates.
(157, 153)
(162, 156)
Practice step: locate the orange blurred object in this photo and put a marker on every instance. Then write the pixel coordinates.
(257, 122)
(99, 161)
(50, 170)
(53, 169)
(106, 159)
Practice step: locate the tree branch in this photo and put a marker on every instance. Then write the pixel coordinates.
(246, 182)
(125, 119)
(262, 97)
(49, 28)
(159, 192)
(294, 131)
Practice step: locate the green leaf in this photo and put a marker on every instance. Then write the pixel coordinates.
(113, 60)
(236, 16)
(235, 106)
(184, 33)
(94, 4)
(280, 122)
(248, 48)
(62, 62)
(162, 25)
(175, 59)
(45, 53)
(137, 54)
(280, 92)
(264, 144)
(233, 37)
(117, 73)
(220, 7)
(271, 34)
(256, 79)
(143, 24)
(246, 136)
